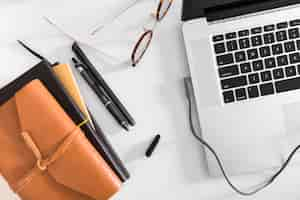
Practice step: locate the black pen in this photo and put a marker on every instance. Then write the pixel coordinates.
(100, 81)
(100, 92)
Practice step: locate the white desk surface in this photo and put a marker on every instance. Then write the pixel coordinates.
(154, 94)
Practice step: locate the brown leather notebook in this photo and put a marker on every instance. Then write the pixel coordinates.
(44, 73)
(45, 155)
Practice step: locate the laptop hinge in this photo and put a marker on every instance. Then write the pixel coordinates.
(243, 7)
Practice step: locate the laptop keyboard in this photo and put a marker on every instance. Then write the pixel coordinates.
(258, 62)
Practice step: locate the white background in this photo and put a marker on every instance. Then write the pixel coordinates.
(153, 92)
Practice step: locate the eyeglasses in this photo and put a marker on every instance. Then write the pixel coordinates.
(143, 42)
(145, 39)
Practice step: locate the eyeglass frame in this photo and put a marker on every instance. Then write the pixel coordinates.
(150, 32)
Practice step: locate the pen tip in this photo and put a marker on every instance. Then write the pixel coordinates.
(20, 42)
(126, 126)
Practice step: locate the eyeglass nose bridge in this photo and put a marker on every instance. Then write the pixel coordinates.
(150, 24)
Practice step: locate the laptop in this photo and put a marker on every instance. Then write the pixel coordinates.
(244, 60)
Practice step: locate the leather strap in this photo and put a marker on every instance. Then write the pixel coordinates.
(43, 164)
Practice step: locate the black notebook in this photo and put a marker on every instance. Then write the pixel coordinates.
(43, 72)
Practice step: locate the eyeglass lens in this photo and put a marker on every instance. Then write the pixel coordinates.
(141, 47)
(163, 8)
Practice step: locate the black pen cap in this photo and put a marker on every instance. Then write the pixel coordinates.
(153, 146)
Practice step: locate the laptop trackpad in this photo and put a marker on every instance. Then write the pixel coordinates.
(248, 138)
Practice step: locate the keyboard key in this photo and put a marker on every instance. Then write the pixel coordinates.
(244, 33)
(298, 44)
(228, 97)
(277, 49)
(281, 36)
(240, 56)
(298, 68)
(278, 73)
(266, 89)
(253, 92)
(244, 43)
(295, 22)
(228, 71)
(290, 71)
(294, 58)
(289, 46)
(245, 68)
(240, 94)
(282, 60)
(270, 63)
(294, 33)
(270, 27)
(218, 38)
(232, 45)
(256, 30)
(234, 82)
(252, 54)
(253, 78)
(266, 76)
(256, 40)
(225, 59)
(231, 35)
(269, 38)
(265, 51)
(220, 48)
(282, 25)
(287, 85)
(257, 65)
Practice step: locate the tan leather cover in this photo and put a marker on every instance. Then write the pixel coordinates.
(78, 171)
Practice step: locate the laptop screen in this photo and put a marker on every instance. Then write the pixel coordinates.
(219, 9)
(212, 3)
(196, 8)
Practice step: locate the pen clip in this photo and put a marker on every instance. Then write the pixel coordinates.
(78, 62)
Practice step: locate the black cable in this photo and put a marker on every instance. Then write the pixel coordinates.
(236, 189)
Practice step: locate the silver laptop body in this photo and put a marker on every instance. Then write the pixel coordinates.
(246, 77)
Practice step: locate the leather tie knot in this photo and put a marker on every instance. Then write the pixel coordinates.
(40, 164)
(43, 164)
